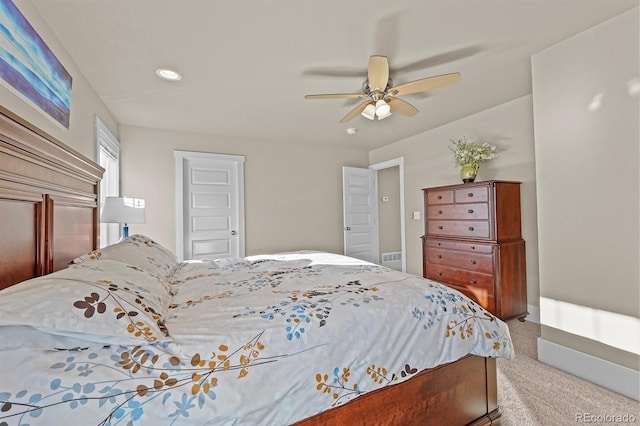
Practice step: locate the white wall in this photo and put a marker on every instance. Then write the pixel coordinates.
(85, 103)
(293, 193)
(587, 161)
(428, 163)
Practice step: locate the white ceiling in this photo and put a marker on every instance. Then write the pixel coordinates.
(247, 64)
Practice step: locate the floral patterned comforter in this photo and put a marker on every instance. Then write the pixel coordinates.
(264, 340)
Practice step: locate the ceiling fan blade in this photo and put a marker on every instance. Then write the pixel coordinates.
(337, 96)
(355, 112)
(440, 59)
(378, 73)
(401, 107)
(424, 84)
(386, 34)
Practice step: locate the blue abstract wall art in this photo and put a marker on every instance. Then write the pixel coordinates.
(30, 67)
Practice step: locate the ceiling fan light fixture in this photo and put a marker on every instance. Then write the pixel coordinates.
(369, 112)
(382, 117)
(382, 108)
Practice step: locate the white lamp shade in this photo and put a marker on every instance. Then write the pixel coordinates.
(369, 112)
(380, 117)
(382, 108)
(123, 210)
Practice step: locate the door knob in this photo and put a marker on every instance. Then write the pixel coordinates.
(233, 232)
(347, 228)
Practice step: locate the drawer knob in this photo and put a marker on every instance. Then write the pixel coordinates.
(439, 273)
(470, 194)
(472, 261)
(472, 280)
(470, 211)
(471, 228)
(439, 211)
(439, 197)
(439, 256)
(440, 227)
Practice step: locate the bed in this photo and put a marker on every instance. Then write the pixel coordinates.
(129, 335)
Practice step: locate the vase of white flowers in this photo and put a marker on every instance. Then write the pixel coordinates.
(468, 155)
(468, 172)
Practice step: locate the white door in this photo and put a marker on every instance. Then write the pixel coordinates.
(360, 213)
(209, 205)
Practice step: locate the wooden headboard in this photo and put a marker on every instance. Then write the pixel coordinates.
(48, 202)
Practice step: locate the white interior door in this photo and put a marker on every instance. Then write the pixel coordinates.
(209, 205)
(360, 213)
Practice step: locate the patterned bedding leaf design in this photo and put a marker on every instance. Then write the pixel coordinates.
(267, 340)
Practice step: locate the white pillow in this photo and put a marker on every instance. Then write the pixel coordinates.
(106, 302)
(137, 250)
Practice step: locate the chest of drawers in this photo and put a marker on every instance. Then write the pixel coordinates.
(473, 243)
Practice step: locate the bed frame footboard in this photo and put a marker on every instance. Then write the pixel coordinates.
(460, 393)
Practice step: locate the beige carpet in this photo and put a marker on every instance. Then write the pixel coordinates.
(532, 393)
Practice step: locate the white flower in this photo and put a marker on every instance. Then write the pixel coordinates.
(471, 152)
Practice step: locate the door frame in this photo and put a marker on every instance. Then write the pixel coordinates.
(399, 162)
(110, 184)
(179, 189)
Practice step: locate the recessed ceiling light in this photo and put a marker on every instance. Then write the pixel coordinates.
(167, 74)
(352, 130)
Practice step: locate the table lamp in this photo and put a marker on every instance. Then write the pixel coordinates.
(124, 210)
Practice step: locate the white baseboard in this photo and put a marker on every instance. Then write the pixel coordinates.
(534, 314)
(612, 376)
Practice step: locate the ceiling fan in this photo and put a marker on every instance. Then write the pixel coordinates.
(382, 96)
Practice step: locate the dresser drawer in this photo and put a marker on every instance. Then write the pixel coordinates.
(444, 196)
(454, 228)
(459, 211)
(475, 262)
(457, 245)
(473, 194)
(459, 277)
